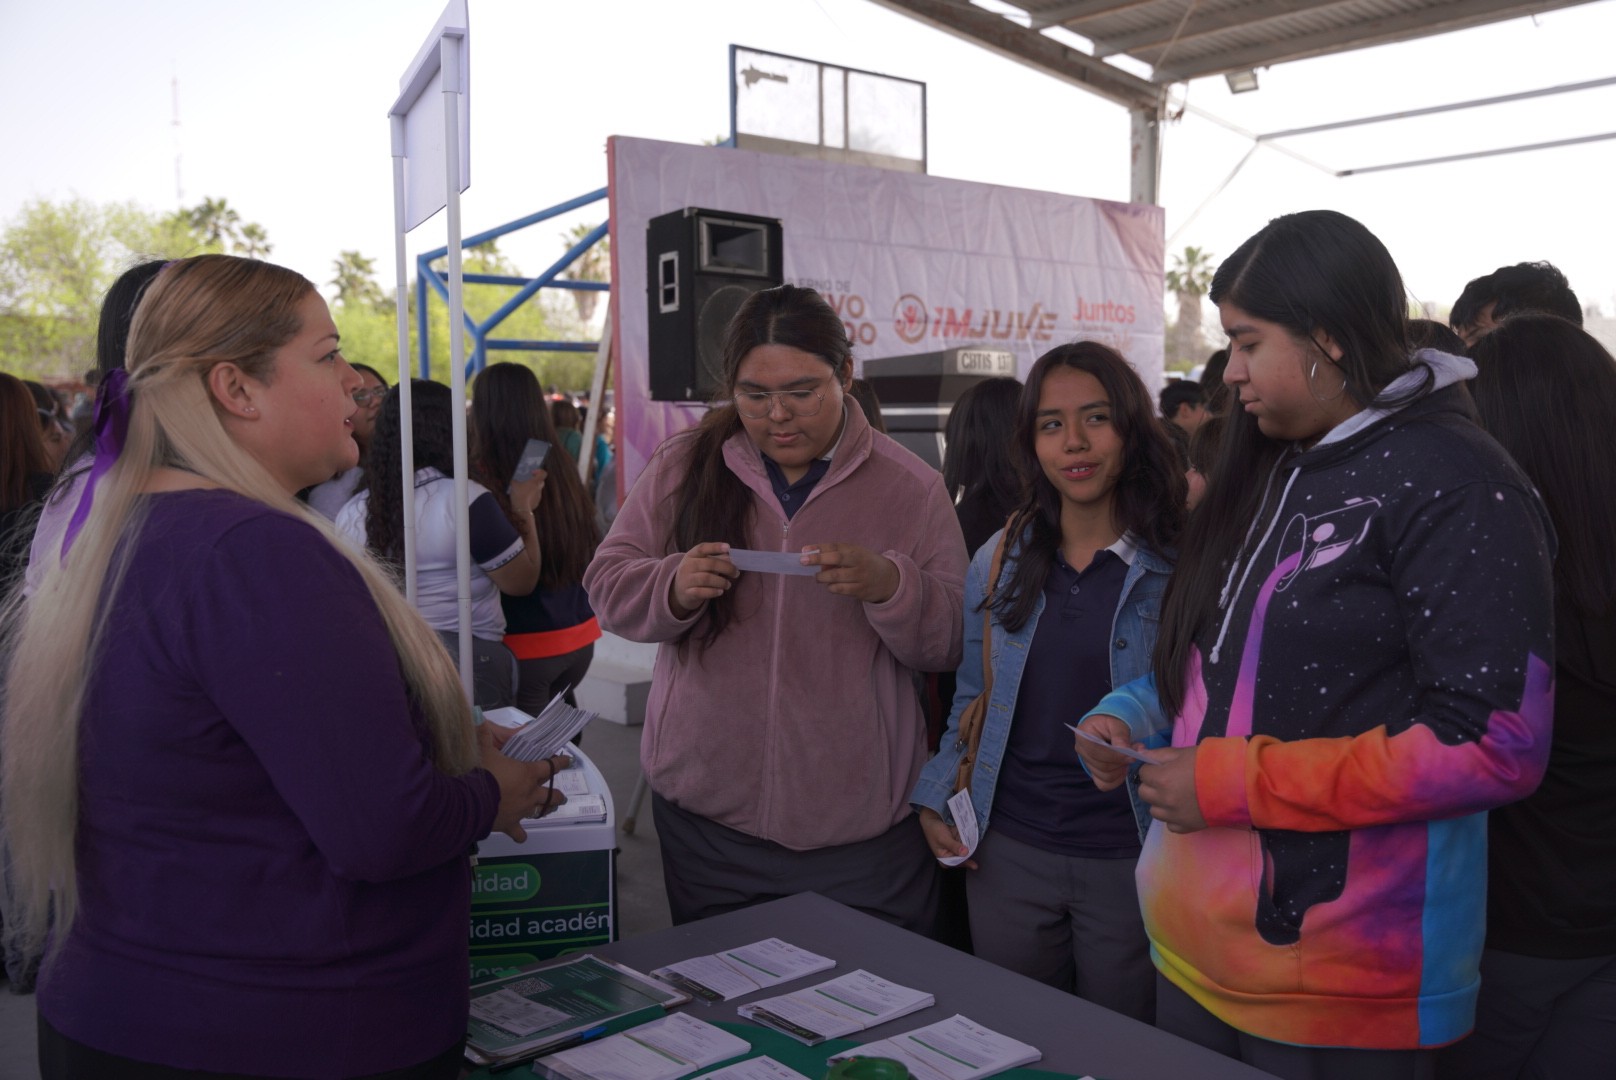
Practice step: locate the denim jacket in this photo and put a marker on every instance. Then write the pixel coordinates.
(1133, 636)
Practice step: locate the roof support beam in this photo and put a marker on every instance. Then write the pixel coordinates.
(1399, 27)
(1080, 9)
(1205, 25)
(1035, 50)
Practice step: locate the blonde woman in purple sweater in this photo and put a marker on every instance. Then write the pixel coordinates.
(240, 777)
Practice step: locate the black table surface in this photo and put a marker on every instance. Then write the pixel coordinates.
(1076, 1036)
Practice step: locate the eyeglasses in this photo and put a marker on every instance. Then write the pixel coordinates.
(757, 404)
(365, 398)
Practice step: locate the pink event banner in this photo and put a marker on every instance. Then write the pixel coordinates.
(913, 263)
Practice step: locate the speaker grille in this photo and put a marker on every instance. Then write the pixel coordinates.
(716, 312)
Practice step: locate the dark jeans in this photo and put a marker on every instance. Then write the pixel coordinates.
(537, 681)
(1538, 1019)
(493, 670)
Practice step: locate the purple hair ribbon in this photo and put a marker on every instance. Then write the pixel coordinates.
(111, 428)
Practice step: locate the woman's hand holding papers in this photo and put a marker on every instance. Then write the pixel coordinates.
(703, 574)
(525, 789)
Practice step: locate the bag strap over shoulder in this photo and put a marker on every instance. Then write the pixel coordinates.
(970, 734)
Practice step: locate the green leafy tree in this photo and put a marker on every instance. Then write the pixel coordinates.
(370, 333)
(1188, 280)
(57, 260)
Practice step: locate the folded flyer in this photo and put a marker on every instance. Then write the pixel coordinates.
(952, 1049)
(840, 1007)
(662, 1050)
(734, 972)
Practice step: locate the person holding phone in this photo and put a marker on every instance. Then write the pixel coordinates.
(783, 733)
(551, 629)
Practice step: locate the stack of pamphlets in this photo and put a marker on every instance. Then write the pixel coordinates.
(952, 1049)
(546, 734)
(837, 1008)
(523, 1015)
(733, 972)
(582, 803)
(577, 809)
(661, 1050)
(758, 1068)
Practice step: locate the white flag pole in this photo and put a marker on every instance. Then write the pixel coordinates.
(406, 413)
(450, 59)
(597, 397)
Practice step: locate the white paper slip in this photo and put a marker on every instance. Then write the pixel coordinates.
(771, 562)
(842, 1006)
(1146, 756)
(733, 972)
(571, 783)
(758, 1068)
(952, 1049)
(964, 814)
(547, 734)
(660, 1050)
(578, 809)
(510, 1011)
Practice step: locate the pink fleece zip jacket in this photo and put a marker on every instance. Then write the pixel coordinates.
(801, 724)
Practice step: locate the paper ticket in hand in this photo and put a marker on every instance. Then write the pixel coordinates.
(965, 821)
(1126, 751)
(771, 562)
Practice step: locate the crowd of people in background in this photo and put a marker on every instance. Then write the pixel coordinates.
(1335, 624)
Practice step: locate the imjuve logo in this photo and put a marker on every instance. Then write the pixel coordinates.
(909, 318)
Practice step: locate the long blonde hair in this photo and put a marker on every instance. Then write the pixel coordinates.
(198, 313)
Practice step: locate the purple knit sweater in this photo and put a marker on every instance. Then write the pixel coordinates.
(272, 875)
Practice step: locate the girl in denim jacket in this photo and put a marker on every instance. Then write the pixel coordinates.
(1074, 613)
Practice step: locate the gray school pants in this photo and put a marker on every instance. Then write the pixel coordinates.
(709, 869)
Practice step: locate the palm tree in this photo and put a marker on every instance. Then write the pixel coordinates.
(355, 281)
(216, 222)
(595, 264)
(1188, 279)
(254, 241)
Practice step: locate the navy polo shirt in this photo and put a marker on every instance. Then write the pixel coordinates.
(1043, 797)
(792, 496)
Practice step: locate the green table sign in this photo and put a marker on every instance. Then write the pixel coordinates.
(527, 908)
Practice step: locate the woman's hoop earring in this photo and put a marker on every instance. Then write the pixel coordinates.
(1312, 378)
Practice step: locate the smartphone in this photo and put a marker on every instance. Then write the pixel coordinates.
(531, 461)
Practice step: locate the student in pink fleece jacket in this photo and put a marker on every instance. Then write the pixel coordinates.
(783, 733)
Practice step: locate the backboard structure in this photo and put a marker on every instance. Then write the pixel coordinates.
(788, 105)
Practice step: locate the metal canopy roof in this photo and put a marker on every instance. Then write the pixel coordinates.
(1188, 39)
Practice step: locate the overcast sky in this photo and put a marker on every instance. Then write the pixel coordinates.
(282, 110)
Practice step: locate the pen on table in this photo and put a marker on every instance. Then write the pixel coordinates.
(565, 1044)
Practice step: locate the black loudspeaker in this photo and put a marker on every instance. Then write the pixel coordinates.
(701, 265)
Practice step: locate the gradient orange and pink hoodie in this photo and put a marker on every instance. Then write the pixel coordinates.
(1381, 674)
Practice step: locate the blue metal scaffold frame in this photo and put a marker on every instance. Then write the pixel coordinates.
(428, 275)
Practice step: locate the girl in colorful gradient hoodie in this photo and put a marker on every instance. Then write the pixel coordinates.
(1355, 664)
